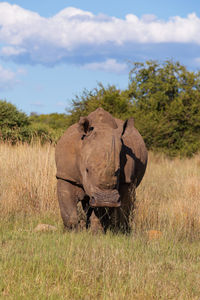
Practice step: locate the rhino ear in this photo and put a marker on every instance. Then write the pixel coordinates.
(129, 123)
(84, 125)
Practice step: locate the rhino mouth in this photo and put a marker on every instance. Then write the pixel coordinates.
(105, 199)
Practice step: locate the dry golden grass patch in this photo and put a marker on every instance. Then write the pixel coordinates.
(27, 181)
(168, 198)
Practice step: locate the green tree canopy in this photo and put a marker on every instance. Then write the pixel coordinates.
(49, 126)
(11, 117)
(17, 126)
(164, 100)
(54, 120)
(110, 98)
(166, 105)
(14, 124)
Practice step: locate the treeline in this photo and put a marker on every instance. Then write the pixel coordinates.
(164, 100)
(16, 126)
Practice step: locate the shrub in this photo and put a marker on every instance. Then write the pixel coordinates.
(10, 117)
(166, 105)
(111, 99)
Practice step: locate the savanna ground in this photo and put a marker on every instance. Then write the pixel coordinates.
(57, 265)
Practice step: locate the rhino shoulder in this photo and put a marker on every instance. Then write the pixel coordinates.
(133, 139)
(134, 153)
(66, 153)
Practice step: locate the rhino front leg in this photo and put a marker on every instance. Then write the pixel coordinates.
(127, 207)
(121, 218)
(67, 198)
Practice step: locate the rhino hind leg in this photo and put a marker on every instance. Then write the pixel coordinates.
(67, 198)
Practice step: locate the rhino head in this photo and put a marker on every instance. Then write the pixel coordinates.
(99, 160)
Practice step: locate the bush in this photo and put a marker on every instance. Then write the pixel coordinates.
(164, 100)
(10, 117)
(111, 99)
(166, 105)
(55, 121)
(16, 126)
(45, 133)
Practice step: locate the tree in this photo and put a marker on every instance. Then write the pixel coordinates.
(49, 126)
(54, 120)
(166, 106)
(14, 124)
(11, 117)
(111, 99)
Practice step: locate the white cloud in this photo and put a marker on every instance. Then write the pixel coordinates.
(9, 51)
(110, 65)
(78, 36)
(8, 78)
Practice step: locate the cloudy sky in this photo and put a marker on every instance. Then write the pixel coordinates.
(50, 50)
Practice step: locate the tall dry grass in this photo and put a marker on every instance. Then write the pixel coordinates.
(27, 179)
(168, 198)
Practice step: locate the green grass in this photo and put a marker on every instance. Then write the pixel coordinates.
(57, 265)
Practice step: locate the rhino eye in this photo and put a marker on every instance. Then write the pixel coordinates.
(87, 170)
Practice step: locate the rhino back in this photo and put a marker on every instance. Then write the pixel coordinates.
(66, 154)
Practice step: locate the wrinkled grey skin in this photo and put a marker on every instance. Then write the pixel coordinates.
(100, 161)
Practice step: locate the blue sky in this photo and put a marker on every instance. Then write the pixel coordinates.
(51, 50)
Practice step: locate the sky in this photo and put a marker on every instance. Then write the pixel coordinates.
(51, 50)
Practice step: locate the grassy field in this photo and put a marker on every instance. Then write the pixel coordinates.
(57, 265)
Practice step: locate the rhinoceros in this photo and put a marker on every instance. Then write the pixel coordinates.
(100, 161)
